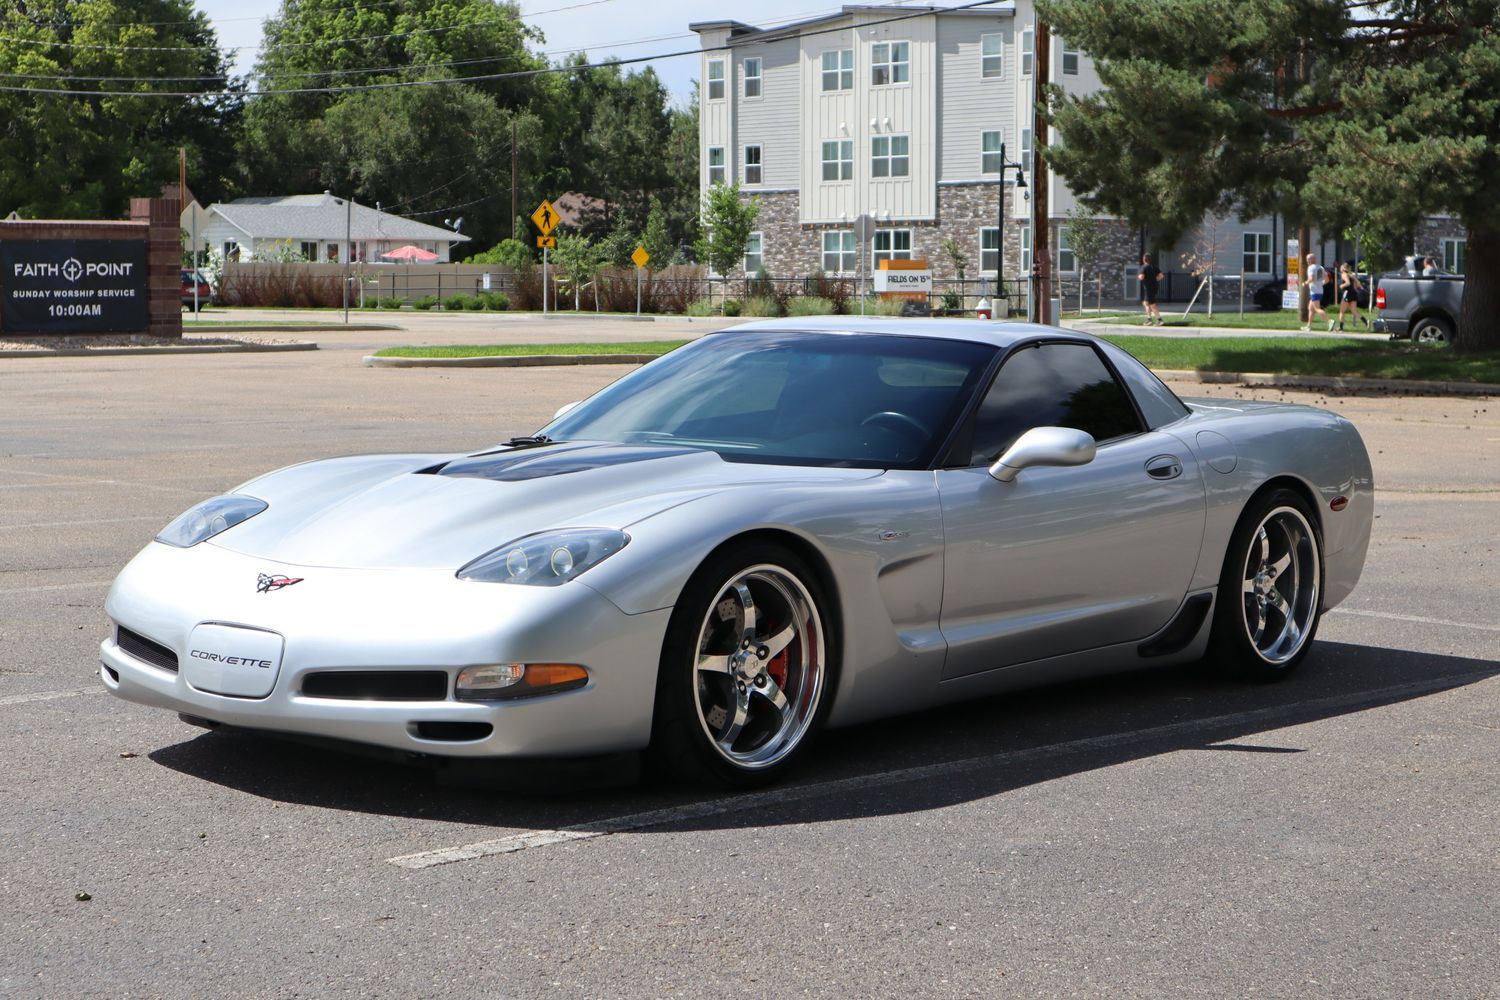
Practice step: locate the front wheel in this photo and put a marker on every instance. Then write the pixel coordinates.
(745, 668)
(1270, 590)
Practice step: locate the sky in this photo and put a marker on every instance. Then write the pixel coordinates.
(624, 28)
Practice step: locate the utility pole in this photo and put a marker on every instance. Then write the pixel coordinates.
(1304, 235)
(348, 250)
(1041, 229)
(515, 205)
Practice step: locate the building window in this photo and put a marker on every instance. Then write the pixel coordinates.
(890, 62)
(1028, 51)
(333, 253)
(989, 250)
(989, 153)
(892, 244)
(1257, 258)
(716, 173)
(1070, 59)
(1067, 261)
(1455, 255)
(1026, 149)
(752, 164)
(754, 255)
(838, 70)
(231, 250)
(890, 156)
(309, 251)
(716, 79)
(991, 56)
(752, 77)
(838, 160)
(839, 251)
(1026, 248)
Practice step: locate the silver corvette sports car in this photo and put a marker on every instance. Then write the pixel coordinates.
(780, 526)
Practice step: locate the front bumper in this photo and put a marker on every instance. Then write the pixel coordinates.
(391, 620)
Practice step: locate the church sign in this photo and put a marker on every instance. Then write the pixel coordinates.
(63, 286)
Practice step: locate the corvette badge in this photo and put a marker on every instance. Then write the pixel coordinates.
(265, 583)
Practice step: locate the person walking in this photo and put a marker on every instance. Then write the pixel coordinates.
(1317, 277)
(1349, 289)
(1150, 278)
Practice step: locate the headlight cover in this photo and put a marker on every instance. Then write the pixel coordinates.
(208, 518)
(548, 559)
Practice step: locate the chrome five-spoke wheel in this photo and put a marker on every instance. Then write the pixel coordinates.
(760, 666)
(1270, 593)
(745, 671)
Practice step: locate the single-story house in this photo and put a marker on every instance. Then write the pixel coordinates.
(314, 225)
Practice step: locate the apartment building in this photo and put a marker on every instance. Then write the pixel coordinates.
(900, 115)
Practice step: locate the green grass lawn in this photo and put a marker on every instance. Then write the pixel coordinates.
(1313, 356)
(1253, 319)
(1278, 355)
(512, 350)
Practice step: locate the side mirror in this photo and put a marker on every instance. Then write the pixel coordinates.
(565, 408)
(1044, 446)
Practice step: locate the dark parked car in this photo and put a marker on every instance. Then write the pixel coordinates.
(205, 290)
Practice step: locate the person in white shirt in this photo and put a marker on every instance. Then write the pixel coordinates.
(1315, 278)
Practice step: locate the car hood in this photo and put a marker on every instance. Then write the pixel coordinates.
(441, 511)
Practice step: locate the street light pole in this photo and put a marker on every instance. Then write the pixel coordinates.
(1005, 165)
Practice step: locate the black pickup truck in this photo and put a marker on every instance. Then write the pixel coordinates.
(1424, 308)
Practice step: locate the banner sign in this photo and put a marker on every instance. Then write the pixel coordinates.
(73, 286)
(904, 279)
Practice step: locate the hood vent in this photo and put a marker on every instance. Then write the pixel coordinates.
(521, 464)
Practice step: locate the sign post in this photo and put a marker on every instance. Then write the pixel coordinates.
(546, 219)
(640, 257)
(864, 232)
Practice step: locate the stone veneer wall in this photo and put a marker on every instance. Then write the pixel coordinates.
(1432, 231)
(794, 249)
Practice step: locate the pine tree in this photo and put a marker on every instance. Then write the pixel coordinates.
(1334, 113)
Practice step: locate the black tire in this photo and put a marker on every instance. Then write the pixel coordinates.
(1259, 633)
(694, 735)
(1432, 330)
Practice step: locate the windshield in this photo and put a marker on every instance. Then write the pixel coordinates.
(857, 400)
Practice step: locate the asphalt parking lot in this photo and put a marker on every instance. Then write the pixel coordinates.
(1157, 834)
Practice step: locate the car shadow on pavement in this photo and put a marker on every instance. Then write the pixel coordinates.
(925, 761)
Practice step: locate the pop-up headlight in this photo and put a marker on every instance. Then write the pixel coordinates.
(209, 518)
(548, 559)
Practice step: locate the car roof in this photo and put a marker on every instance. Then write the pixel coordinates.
(995, 333)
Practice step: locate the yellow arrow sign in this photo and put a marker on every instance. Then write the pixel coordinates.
(545, 217)
(546, 242)
(640, 256)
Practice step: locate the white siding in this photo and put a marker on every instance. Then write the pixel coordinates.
(971, 104)
(716, 118)
(768, 120)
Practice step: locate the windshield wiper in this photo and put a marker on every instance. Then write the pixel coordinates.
(530, 441)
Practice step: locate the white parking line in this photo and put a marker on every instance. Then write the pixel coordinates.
(1413, 618)
(77, 523)
(783, 796)
(80, 585)
(18, 699)
(88, 480)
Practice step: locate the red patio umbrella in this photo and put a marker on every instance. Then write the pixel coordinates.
(410, 253)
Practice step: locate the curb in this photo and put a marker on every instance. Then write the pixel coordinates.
(125, 352)
(291, 328)
(510, 361)
(1340, 382)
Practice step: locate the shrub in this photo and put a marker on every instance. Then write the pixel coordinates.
(390, 303)
(809, 305)
(836, 290)
(271, 284)
(473, 303)
(425, 303)
(495, 301)
(762, 305)
(454, 303)
(883, 307)
(953, 301)
(732, 307)
(368, 304)
(528, 290)
(700, 307)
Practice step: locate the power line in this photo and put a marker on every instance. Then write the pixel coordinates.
(483, 78)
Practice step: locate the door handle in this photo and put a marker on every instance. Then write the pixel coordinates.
(1164, 467)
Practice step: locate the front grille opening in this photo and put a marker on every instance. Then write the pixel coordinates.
(377, 685)
(114, 674)
(454, 732)
(145, 649)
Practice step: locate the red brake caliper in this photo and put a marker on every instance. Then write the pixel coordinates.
(777, 668)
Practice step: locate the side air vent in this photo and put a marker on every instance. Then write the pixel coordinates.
(138, 646)
(453, 732)
(377, 685)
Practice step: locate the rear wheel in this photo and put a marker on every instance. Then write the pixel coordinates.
(1432, 330)
(1270, 590)
(745, 668)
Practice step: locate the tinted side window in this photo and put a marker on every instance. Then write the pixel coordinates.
(1158, 404)
(1054, 385)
